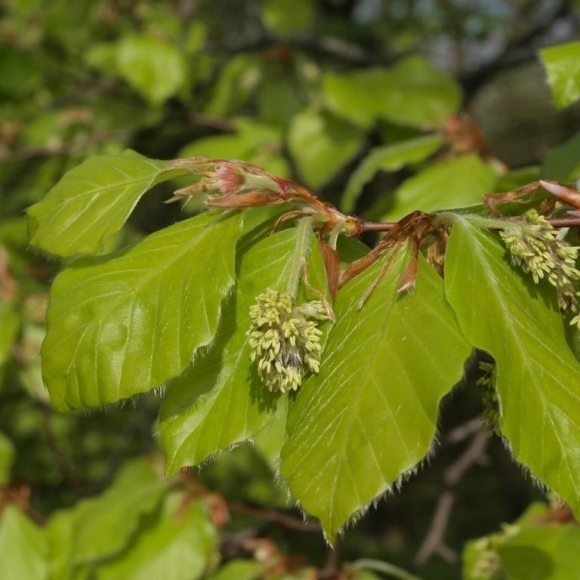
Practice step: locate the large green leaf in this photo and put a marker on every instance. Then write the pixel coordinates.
(23, 549)
(448, 184)
(563, 68)
(518, 323)
(371, 414)
(388, 158)
(221, 401)
(104, 525)
(412, 92)
(92, 202)
(177, 543)
(321, 144)
(125, 323)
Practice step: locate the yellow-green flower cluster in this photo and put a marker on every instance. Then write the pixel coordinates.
(284, 342)
(538, 248)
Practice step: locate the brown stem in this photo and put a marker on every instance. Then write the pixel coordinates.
(274, 516)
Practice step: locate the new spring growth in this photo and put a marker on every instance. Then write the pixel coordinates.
(284, 342)
(538, 248)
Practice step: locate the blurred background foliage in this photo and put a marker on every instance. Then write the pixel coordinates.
(381, 107)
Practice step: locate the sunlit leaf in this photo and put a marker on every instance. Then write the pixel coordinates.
(23, 549)
(502, 312)
(562, 64)
(448, 184)
(92, 202)
(125, 323)
(388, 158)
(412, 92)
(157, 69)
(321, 144)
(370, 416)
(175, 543)
(104, 525)
(221, 401)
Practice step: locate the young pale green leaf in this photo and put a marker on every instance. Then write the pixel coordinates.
(452, 183)
(176, 543)
(412, 93)
(321, 144)
(155, 68)
(501, 311)
(23, 547)
(221, 401)
(103, 526)
(125, 323)
(92, 202)
(388, 158)
(370, 416)
(563, 69)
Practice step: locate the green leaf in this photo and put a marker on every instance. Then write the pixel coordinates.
(23, 549)
(125, 323)
(287, 17)
(240, 570)
(155, 68)
(540, 550)
(6, 458)
(178, 543)
(370, 416)
(221, 401)
(388, 158)
(448, 184)
(104, 525)
(59, 532)
(254, 142)
(92, 202)
(563, 69)
(321, 144)
(562, 163)
(501, 311)
(412, 92)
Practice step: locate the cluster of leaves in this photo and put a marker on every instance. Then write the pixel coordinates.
(173, 310)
